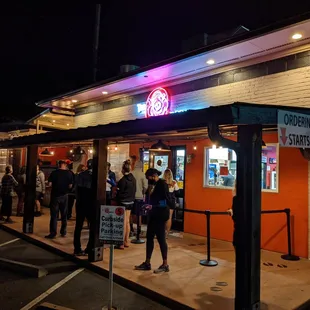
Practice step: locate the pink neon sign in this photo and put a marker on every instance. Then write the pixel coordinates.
(158, 103)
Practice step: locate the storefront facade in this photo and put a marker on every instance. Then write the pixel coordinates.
(272, 69)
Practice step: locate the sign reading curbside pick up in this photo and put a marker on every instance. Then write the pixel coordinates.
(293, 129)
(112, 225)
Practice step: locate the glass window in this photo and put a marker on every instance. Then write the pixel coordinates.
(221, 167)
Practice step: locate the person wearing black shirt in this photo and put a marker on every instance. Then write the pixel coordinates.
(71, 194)
(83, 206)
(61, 182)
(158, 204)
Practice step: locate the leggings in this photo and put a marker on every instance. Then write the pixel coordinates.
(156, 227)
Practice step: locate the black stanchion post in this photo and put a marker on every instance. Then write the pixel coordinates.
(208, 262)
(289, 256)
(138, 240)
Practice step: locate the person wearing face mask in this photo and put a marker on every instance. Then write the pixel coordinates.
(158, 205)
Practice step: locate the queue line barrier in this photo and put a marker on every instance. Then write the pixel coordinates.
(212, 263)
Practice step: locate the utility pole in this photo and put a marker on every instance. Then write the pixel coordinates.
(96, 41)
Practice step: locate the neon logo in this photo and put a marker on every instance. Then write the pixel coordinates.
(158, 103)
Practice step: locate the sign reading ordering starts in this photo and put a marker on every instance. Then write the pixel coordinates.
(293, 129)
(112, 225)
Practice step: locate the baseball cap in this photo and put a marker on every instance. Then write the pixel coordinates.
(152, 171)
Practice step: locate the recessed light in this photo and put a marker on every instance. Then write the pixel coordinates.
(296, 36)
(68, 124)
(52, 153)
(74, 101)
(44, 115)
(104, 93)
(210, 62)
(54, 121)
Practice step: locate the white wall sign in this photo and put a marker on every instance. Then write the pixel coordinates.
(293, 129)
(112, 224)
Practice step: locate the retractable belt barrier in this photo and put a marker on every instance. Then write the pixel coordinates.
(212, 263)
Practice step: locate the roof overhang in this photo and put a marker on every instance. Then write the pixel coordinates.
(268, 40)
(179, 125)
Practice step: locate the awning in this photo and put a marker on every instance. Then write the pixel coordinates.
(226, 116)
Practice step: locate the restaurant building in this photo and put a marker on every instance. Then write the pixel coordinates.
(269, 66)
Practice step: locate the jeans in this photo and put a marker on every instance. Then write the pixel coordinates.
(82, 213)
(59, 204)
(71, 199)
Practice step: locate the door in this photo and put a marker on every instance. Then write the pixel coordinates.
(178, 163)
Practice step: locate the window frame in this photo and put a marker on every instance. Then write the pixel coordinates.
(206, 171)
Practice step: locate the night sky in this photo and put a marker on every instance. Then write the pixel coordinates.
(46, 50)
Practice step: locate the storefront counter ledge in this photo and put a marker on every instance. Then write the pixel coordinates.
(188, 285)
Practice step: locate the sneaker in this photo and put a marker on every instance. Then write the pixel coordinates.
(9, 221)
(162, 268)
(50, 236)
(80, 253)
(144, 266)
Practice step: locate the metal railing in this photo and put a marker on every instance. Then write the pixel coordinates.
(211, 263)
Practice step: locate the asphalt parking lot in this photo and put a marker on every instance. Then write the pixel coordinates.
(74, 288)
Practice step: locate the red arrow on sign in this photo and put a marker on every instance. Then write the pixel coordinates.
(283, 136)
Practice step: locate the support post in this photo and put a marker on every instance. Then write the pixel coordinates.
(248, 217)
(208, 262)
(30, 190)
(289, 255)
(99, 179)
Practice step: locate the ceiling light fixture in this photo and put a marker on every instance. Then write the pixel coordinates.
(210, 62)
(68, 124)
(74, 101)
(46, 152)
(296, 36)
(104, 93)
(160, 146)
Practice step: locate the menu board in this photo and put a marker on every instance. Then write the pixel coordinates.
(117, 157)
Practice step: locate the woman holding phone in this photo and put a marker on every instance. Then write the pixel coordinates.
(158, 203)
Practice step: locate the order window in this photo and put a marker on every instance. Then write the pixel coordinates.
(221, 167)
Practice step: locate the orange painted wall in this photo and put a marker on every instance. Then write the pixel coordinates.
(59, 153)
(293, 193)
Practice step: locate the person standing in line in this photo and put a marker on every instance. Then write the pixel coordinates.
(20, 190)
(232, 213)
(71, 194)
(111, 174)
(141, 187)
(61, 182)
(158, 204)
(7, 189)
(109, 186)
(126, 197)
(40, 191)
(173, 192)
(133, 159)
(83, 205)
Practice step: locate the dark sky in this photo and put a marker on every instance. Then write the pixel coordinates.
(47, 49)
